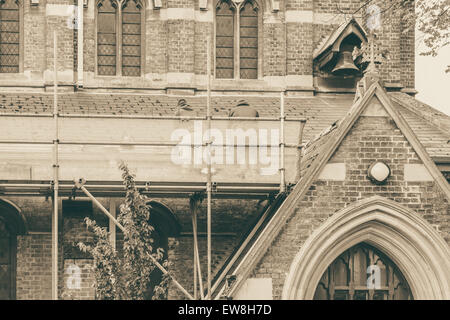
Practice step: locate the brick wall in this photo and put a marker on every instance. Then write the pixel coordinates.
(398, 69)
(333, 6)
(34, 267)
(57, 20)
(178, 45)
(34, 39)
(299, 4)
(202, 30)
(231, 218)
(78, 280)
(274, 52)
(299, 48)
(156, 50)
(370, 139)
(407, 53)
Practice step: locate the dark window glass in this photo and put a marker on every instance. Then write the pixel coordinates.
(347, 279)
(248, 41)
(131, 39)
(9, 36)
(106, 38)
(225, 41)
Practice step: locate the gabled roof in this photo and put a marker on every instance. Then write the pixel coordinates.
(317, 153)
(333, 42)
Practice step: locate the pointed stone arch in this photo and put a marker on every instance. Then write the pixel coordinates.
(400, 233)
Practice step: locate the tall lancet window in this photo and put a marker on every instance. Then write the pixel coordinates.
(237, 39)
(119, 37)
(10, 36)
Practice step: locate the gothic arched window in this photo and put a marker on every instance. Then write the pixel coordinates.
(10, 36)
(362, 273)
(119, 37)
(237, 39)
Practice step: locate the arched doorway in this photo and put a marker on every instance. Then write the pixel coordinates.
(12, 223)
(166, 226)
(7, 262)
(362, 273)
(412, 244)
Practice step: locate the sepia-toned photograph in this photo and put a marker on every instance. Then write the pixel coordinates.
(226, 150)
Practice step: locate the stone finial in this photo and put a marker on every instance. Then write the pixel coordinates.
(372, 56)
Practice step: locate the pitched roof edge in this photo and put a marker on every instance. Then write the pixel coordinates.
(414, 141)
(329, 41)
(259, 248)
(431, 120)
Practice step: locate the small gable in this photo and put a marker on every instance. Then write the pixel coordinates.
(334, 57)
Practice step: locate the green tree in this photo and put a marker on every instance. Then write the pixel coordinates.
(127, 276)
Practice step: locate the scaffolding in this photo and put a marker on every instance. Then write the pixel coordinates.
(57, 187)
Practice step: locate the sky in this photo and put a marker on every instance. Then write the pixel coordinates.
(432, 82)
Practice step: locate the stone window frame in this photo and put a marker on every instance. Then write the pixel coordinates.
(21, 38)
(236, 54)
(118, 25)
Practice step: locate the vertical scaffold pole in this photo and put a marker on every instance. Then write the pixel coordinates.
(55, 175)
(299, 151)
(282, 143)
(80, 44)
(194, 202)
(208, 184)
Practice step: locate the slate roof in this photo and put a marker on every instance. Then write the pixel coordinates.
(431, 126)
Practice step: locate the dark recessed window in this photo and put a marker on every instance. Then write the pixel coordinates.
(9, 36)
(119, 25)
(237, 40)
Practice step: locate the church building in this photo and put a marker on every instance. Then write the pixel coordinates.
(329, 179)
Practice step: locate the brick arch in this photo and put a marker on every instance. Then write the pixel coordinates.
(13, 216)
(405, 237)
(166, 226)
(164, 218)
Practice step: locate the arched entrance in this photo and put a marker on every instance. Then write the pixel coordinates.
(165, 226)
(12, 223)
(362, 273)
(400, 234)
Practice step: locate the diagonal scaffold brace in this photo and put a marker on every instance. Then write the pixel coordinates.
(79, 184)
